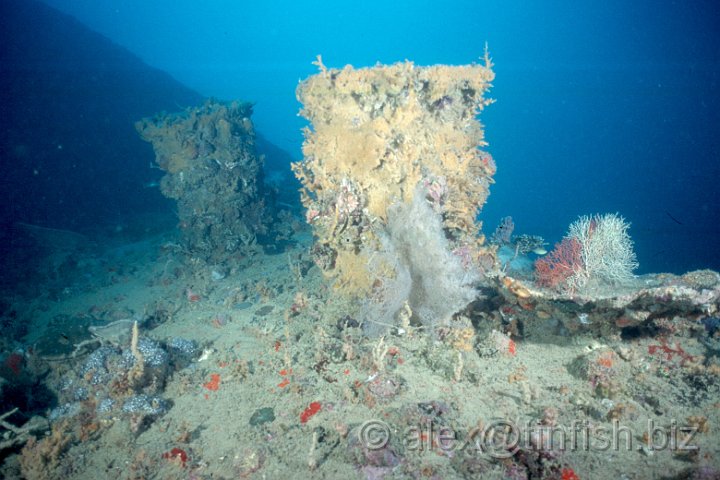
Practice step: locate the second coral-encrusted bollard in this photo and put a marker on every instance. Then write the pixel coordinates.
(214, 173)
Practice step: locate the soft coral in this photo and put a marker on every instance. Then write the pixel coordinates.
(558, 266)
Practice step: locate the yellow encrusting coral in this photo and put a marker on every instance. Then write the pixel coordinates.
(380, 133)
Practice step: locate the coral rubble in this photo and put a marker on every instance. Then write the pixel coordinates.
(214, 173)
(381, 137)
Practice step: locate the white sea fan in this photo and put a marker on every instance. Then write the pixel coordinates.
(606, 249)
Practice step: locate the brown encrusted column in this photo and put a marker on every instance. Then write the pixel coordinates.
(213, 171)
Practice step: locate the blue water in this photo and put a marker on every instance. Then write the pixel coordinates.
(601, 106)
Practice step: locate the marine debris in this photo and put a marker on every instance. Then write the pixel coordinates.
(13, 435)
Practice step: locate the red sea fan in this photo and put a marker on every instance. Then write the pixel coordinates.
(555, 268)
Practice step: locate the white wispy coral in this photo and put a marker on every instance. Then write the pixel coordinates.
(606, 249)
(429, 277)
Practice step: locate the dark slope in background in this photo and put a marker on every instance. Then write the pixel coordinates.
(70, 155)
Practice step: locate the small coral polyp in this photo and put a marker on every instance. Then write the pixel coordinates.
(380, 136)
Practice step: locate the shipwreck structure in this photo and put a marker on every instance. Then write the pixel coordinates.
(213, 171)
(394, 175)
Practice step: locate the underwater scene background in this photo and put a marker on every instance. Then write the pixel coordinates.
(608, 107)
(308, 239)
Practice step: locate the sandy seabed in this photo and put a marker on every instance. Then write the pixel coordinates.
(281, 382)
